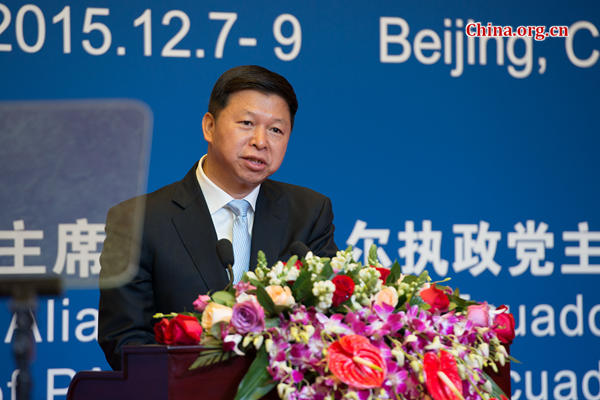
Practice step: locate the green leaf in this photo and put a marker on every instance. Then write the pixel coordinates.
(215, 330)
(265, 300)
(210, 357)
(395, 273)
(302, 288)
(271, 322)
(424, 277)
(327, 272)
(291, 261)
(496, 391)
(416, 300)
(254, 282)
(373, 260)
(257, 382)
(224, 298)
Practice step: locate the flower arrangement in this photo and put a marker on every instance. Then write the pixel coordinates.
(336, 329)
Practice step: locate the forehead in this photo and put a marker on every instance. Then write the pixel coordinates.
(257, 102)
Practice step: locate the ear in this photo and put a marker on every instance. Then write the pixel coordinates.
(208, 127)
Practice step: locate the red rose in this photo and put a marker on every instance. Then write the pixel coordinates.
(384, 272)
(436, 298)
(185, 330)
(344, 287)
(504, 325)
(162, 333)
(298, 264)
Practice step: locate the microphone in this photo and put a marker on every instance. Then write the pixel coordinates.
(225, 253)
(298, 248)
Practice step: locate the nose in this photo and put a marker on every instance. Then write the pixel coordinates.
(259, 138)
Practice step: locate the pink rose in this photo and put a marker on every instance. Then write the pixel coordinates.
(504, 325)
(201, 302)
(387, 295)
(185, 330)
(436, 298)
(242, 287)
(479, 314)
(248, 316)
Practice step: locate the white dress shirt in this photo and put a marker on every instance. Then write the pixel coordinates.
(217, 200)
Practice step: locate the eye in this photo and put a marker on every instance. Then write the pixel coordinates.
(245, 123)
(277, 130)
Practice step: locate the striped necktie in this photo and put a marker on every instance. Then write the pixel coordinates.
(241, 238)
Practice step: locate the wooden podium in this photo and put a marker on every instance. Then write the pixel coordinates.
(161, 372)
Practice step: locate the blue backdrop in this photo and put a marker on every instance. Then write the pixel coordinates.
(476, 158)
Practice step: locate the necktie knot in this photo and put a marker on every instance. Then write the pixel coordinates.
(239, 207)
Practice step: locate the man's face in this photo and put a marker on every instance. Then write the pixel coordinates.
(247, 141)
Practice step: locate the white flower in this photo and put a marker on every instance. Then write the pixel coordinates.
(341, 260)
(245, 297)
(236, 338)
(269, 345)
(399, 355)
(292, 273)
(323, 290)
(435, 345)
(258, 341)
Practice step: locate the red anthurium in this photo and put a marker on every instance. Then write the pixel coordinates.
(441, 376)
(356, 362)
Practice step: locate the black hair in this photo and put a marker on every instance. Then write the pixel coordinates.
(251, 77)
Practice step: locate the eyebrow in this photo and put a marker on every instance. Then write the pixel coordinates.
(281, 120)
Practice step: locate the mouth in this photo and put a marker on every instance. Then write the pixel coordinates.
(254, 162)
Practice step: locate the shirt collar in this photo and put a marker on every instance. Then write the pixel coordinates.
(216, 198)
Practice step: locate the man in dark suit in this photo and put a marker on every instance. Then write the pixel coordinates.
(247, 128)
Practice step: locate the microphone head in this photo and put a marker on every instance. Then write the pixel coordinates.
(225, 252)
(298, 248)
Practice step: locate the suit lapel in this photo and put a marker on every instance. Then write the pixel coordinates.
(196, 230)
(269, 224)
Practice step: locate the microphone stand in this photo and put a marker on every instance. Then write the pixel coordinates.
(24, 290)
(230, 272)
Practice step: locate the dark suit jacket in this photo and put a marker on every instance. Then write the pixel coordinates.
(177, 254)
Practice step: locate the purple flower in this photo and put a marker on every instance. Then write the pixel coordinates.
(297, 376)
(248, 316)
